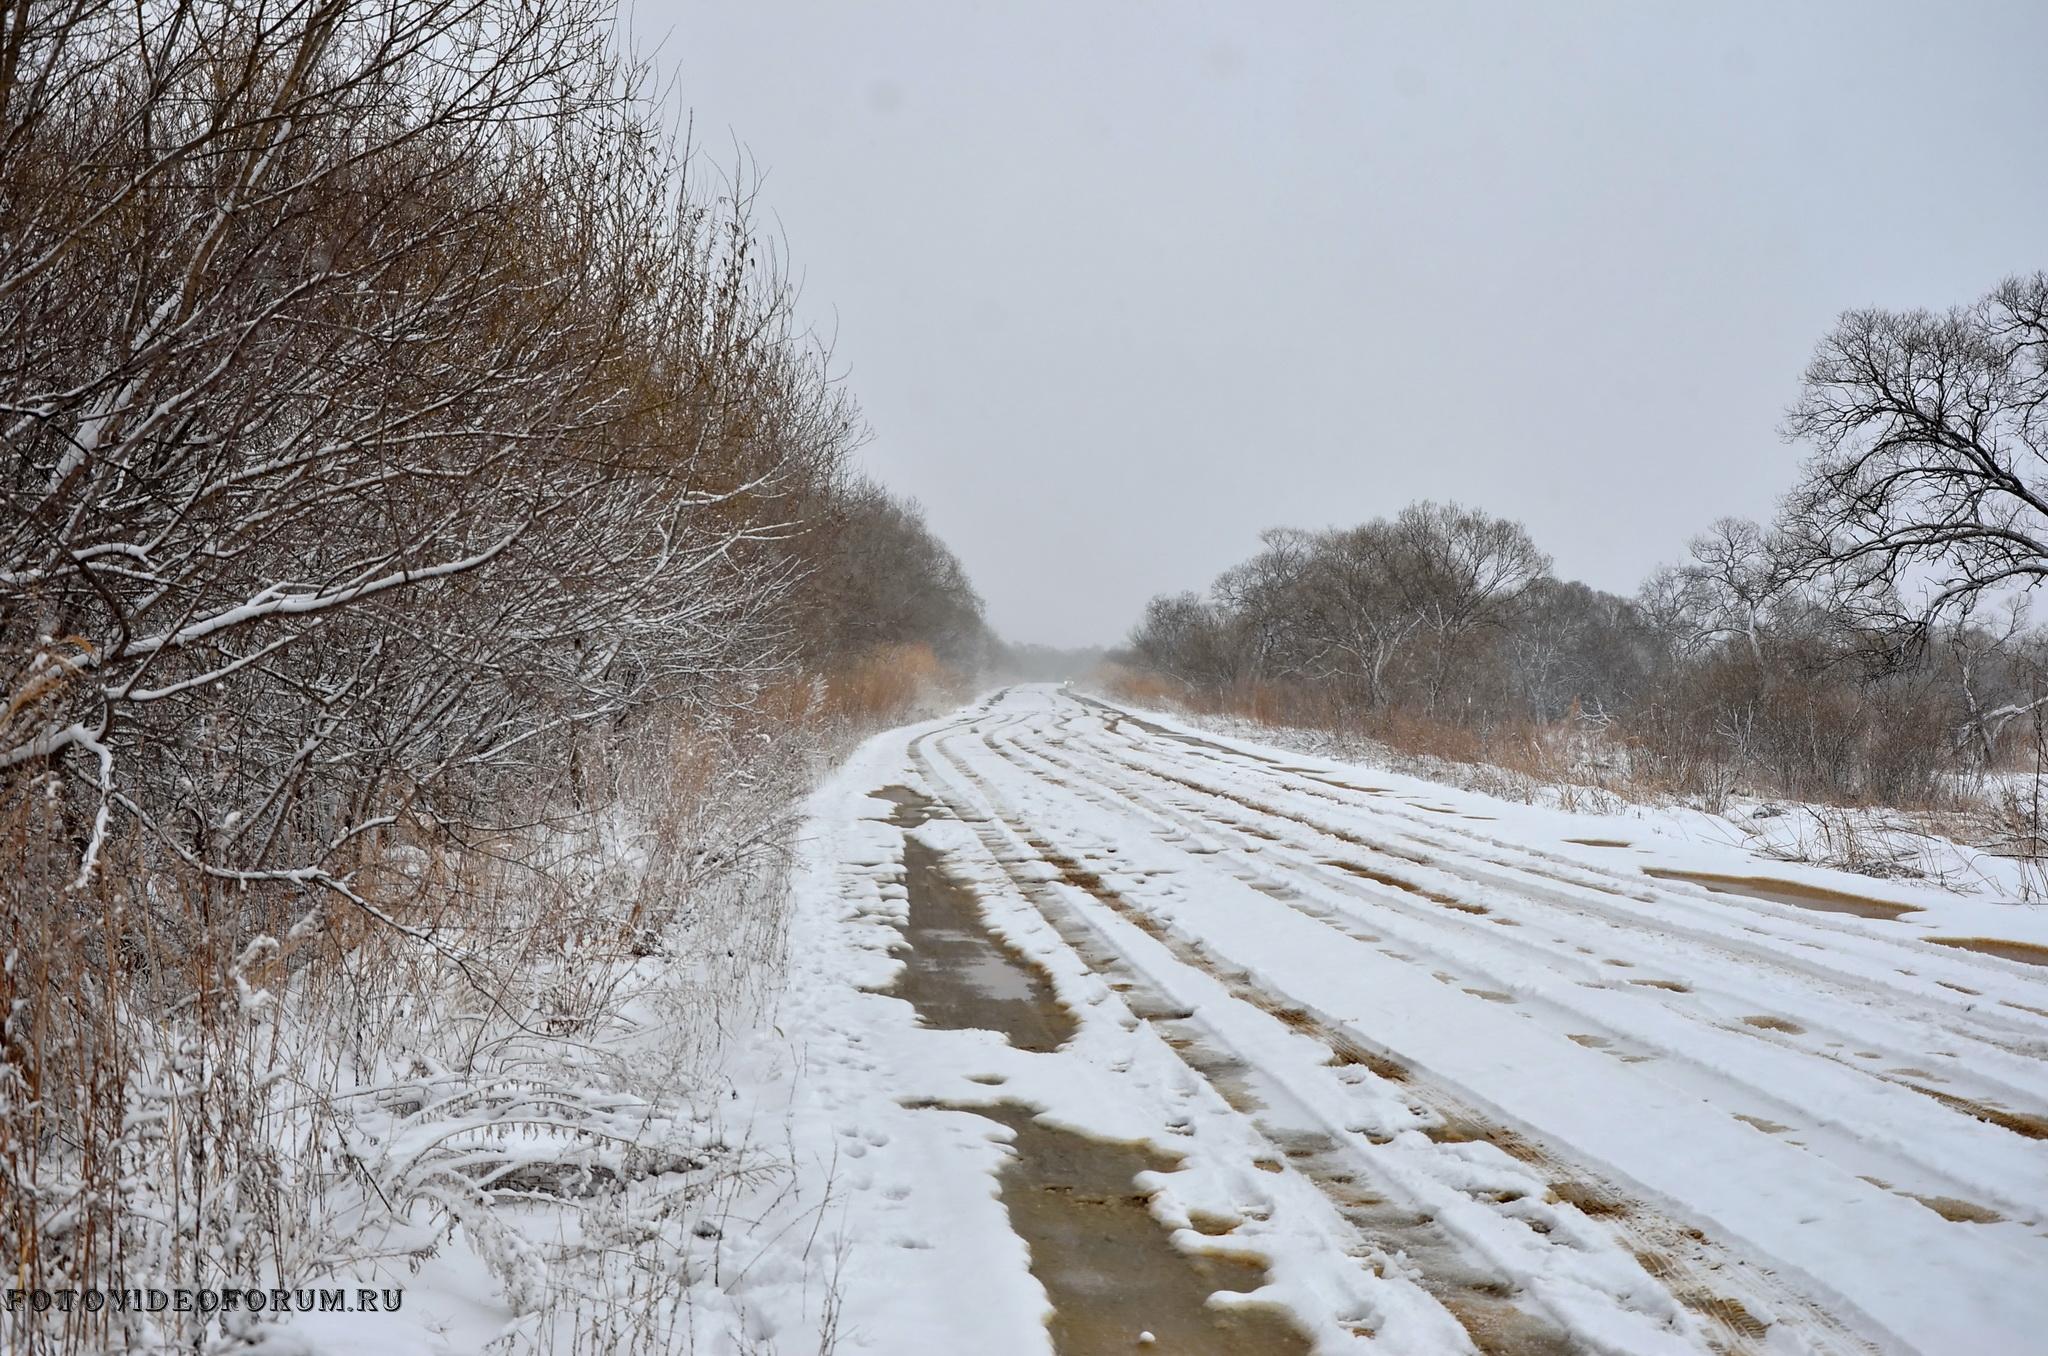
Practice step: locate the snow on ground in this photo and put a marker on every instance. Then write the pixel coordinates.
(1964, 889)
(1442, 1070)
(1957, 850)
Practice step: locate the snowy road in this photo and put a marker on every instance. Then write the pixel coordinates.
(1453, 1079)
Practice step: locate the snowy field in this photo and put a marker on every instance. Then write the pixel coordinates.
(1443, 1078)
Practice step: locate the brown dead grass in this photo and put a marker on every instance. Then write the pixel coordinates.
(1569, 755)
(888, 684)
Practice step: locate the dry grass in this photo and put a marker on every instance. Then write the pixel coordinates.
(1139, 688)
(205, 1084)
(1585, 764)
(1575, 762)
(1579, 762)
(889, 684)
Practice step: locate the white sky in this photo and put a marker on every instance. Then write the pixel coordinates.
(1121, 284)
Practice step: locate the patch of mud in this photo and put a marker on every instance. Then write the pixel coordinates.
(1452, 1128)
(1770, 1023)
(1347, 1051)
(1589, 1200)
(1787, 892)
(957, 974)
(1497, 1328)
(1769, 1127)
(2027, 953)
(1378, 877)
(1408, 1242)
(1109, 1267)
(1729, 1313)
(1669, 985)
(2023, 1123)
(1600, 842)
(1958, 1211)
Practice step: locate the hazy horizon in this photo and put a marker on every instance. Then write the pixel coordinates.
(1563, 265)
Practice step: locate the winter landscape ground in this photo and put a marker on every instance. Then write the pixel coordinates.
(769, 679)
(1416, 1069)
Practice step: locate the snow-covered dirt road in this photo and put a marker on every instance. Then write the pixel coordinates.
(1386, 1067)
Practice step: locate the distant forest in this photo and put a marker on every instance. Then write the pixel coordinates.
(1871, 645)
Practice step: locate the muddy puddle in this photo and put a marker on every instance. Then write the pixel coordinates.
(1787, 892)
(1331, 779)
(1392, 1235)
(1108, 1266)
(1957, 1211)
(2027, 953)
(957, 974)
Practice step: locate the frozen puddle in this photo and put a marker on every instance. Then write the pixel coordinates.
(1787, 892)
(1106, 1263)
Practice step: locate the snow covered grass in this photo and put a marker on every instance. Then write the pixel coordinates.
(508, 1094)
(1986, 838)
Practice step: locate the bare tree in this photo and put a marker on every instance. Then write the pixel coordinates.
(879, 576)
(1181, 637)
(380, 414)
(1728, 591)
(1462, 571)
(1928, 486)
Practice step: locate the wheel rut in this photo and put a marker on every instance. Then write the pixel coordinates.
(1389, 1220)
(1991, 1105)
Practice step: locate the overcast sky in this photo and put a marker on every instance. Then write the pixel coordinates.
(1119, 285)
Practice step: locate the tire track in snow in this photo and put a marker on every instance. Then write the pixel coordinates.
(1709, 906)
(2017, 1049)
(1677, 1255)
(1918, 1175)
(1394, 1234)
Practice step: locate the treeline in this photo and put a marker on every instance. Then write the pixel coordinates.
(383, 416)
(398, 442)
(1870, 645)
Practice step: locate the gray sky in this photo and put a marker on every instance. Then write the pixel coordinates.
(1121, 284)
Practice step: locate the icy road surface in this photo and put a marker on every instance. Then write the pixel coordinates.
(1434, 1076)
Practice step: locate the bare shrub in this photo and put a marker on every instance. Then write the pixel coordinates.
(888, 684)
(414, 482)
